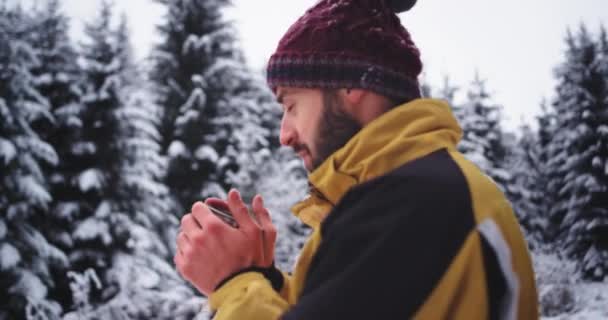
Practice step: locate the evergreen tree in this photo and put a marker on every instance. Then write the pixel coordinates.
(139, 232)
(142, 195)
(198, 47)
(97, 231)
(527, 186)
(482, 140)
(57, 78)
(26, 255)
(578, 153)
(57, 74)
(250, 117)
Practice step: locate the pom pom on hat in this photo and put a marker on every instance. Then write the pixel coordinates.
(399, 6)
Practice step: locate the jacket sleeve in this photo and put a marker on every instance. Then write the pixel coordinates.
(249, 295)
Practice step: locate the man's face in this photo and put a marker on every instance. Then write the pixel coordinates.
(315, 123)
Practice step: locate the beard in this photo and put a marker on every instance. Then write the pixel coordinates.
(336, 128)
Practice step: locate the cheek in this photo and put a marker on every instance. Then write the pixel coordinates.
(309, 132)
(307, 121)
(314, 121)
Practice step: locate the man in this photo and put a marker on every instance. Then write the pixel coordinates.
(403, 225)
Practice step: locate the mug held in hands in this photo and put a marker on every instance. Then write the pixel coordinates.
(211, 248)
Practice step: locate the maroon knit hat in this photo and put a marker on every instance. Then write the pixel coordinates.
(349, 44)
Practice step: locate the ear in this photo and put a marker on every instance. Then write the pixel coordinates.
(353, 96)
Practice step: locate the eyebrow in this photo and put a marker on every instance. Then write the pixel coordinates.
(280, 97)
(282, 94)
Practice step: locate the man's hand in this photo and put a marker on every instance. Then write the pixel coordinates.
(209, 250)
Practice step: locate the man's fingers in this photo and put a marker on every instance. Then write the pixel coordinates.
(183, 244)
(261, 212)
(199, 212)
(268, 232)
(238, 209)
(189, 225)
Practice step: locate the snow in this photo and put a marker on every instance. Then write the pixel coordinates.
(149, 288)
(42, 150)
(103, 210)
(34, 110)
(44, 79)
(189, 116)
(9, 257)
(81, 285)
(29, 285)
(7, 151)
(5, 113)
(591, 314)
(90, 179)
(177, 149)
(192, 43)
(62, 77)
(93, 228)
(206, 152)
(67, 210)
(141, 146)
(83, 148)
(212, 189)
(563, 294)
(139, 112)
(155, 189)
(33, 190)
(196, 101)
(142, 239)
(147, 279)
(144, 126)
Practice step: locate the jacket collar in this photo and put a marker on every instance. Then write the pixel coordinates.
(403, 134)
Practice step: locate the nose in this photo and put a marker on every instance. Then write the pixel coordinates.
(287, 136)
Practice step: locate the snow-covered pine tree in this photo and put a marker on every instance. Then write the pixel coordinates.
(526, 191)
(26, 255)
(447, 92)
(196, 133)
(140, 198)
(579, 152)
(57, 78)
(531, 174)
(146, 285)
(482, 140)
(97, 233)
(139, 281)
(247, 119)
(142, 195)
(57, 74)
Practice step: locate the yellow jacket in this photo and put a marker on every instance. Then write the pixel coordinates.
(403, 227)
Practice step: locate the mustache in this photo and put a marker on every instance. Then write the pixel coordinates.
(300, 147)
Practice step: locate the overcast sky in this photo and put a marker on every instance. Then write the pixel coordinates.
(513, 44)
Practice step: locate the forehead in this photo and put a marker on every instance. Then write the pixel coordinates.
(291, 92)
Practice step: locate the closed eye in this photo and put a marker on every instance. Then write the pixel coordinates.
(290, 107)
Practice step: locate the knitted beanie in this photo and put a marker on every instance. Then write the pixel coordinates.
(349, 44)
